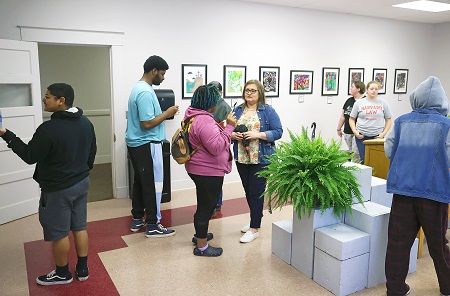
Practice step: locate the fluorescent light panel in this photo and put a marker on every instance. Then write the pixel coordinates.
(430, 6)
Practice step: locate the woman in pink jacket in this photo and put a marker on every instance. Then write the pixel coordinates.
(208, 166)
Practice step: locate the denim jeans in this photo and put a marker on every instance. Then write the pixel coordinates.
(254, 187)
(362, 147)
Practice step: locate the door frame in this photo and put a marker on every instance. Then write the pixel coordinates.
(114, 40)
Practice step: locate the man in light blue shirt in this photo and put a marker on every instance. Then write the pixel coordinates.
(145, 132)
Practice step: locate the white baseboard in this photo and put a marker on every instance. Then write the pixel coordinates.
(122, 192)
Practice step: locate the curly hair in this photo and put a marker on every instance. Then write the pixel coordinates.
(155, 62)
(205, 97)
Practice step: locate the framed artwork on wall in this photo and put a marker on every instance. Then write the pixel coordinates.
(380, 75)
(234, 78)
(192, 76)
(401, 81)
(301, 82)
(355, 74)
(270, 79)
(330, 81)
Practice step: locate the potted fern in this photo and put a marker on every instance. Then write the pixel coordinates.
(310, 175)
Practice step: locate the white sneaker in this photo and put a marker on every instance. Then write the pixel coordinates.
(245, 228)
(249, 236)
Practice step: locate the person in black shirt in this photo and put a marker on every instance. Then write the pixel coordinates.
(357, 91)
(63, 150)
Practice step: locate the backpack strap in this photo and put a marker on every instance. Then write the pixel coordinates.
(187, 128)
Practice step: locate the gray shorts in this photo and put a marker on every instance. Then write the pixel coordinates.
(64, 210)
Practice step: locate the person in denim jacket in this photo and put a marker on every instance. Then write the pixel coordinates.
(419, 177)
(263, 127)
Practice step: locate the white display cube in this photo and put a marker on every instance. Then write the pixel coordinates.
(282, 240)
(378, 192)
(342, 241)
(413, 256)
(302, 257)
(374, 220)
(340, 277)
(364, 177)
(341, 258)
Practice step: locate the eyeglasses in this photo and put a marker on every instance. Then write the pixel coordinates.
(250, 91)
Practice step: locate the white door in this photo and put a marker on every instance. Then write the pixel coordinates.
(20, 104)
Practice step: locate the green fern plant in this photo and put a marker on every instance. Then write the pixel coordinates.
(309, 174)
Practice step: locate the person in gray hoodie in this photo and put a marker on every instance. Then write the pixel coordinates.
(419, 178)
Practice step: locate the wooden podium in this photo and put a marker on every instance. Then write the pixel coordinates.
(376, 158)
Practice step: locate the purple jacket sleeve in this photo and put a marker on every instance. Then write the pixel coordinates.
(215, 139)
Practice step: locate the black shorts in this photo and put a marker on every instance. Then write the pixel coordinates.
(64, 210)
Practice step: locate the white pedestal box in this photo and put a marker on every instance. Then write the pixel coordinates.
(413, 256)
(340, 277)
(374, 220)
(282, 240)
(342, 241)
(302, 257)
(364, 177)
(379, 194)
(341, 259)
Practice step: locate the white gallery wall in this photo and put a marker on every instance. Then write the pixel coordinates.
(439, 55)
(226, 32)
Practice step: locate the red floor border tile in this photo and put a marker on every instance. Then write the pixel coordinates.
(104, 235)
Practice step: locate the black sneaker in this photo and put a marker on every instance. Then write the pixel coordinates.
(157, 230)
(209, 236)
(409, 290)
(53, 279)
(209, 252)
(136, 224)
(82, 274)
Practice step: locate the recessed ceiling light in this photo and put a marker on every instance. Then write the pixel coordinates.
(430, 6)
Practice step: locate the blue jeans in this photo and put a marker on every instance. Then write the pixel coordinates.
(220, 202)
(254, 187)
(362, 147)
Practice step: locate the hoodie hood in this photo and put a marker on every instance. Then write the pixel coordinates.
(430, 95)
(72, 112)
(191, 112)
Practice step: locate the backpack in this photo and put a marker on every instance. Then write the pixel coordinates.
(181, 147)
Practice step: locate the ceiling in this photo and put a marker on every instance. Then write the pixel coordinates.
(378, 8)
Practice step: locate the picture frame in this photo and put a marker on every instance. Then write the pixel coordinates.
(270, 79)
(192, 76)
(354, 75)
(380, 76)
(401, 81)
(330, 81)
(234, 78)
(301, 82)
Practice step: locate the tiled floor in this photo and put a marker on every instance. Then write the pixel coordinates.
(126, 263)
